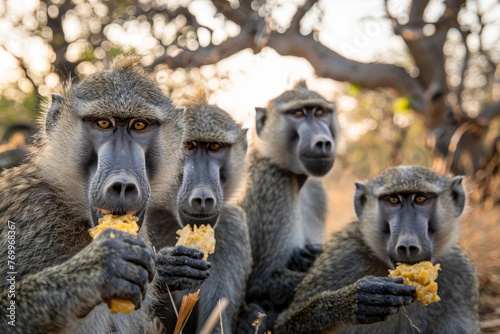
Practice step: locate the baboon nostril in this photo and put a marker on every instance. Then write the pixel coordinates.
(408, 251)
(122, 190)
(323, 146)
(202, 199)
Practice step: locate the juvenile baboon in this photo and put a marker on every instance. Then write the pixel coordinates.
(285, 208)
(107, 144)
(214, 177)
(406, 214)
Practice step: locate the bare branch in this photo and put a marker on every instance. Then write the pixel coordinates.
(240, 15)
(212, 53)
(295, 24)
(329, 64)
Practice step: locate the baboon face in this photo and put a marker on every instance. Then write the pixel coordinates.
(299, 130)
(214, 164)
(200, 196)
(406, 212)
(311, 141)
(116, 134)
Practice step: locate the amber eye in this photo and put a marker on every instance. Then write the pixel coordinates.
(190, 145)
(319, 112)
(214, 147)
(420, 199)
(299, 113)
(139, 126)
(104, 123)
(393, 200)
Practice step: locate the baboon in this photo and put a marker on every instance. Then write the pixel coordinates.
(285, 208)
(406, 214)
(214, 178)
(107, 143)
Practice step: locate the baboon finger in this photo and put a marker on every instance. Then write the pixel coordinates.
(188, 251)
(186, 271)
(188, 261)
(140, 256)
(132, 273)
(121, 288)
(315, 248)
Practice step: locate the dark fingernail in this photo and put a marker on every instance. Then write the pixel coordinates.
(209, 265)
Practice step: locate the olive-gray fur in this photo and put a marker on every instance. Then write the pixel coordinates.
(321, 304)
(231, 262)
(44, 198)
(285, 211)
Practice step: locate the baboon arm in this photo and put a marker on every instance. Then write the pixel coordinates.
(43, 303)
(279, 288)
(327, 310)
(231, 264)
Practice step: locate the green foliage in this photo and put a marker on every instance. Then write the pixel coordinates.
(117, 51)
(402, 105)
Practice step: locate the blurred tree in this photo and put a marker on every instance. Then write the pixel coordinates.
(450, 76)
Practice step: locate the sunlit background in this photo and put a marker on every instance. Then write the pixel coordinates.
(443, 113)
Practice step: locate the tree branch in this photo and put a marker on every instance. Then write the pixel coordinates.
(210, 54)
(240, 15)
(329, 64)
(295, 24)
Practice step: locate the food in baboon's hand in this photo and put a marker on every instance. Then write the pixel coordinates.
(128, 224)
(202, 238)
(421, 275)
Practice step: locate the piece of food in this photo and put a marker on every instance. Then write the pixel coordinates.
(422, 276)
(126, 223)
(202, 238)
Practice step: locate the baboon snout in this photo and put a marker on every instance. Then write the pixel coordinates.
(322, 145)
(408, 248)
(202, 199)
(122, 189)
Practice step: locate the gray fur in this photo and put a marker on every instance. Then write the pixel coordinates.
(323, 305)
(59, 267)
(285, 206)
(231, 261)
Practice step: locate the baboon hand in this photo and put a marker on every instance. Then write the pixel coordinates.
(380, 297)
(303, 258)
(124, 265)
(182, 267)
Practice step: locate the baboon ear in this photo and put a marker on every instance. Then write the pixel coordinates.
(53, 112)
(260, 120)
(458, 195)
(359, 198)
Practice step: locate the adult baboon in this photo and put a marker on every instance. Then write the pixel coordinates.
(285, 208)
(406, 214)
(214, 177)
(107, 143)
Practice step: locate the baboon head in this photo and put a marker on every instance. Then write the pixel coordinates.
(299, 129)
(112, 140)
(214, 167)
(409, 213)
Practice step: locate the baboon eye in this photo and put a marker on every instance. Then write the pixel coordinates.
(393, 200)
(190, 145)
(299, 113)
(420, 199)
(104, 123)
(214, 147)
(319, 112)
(139, 125)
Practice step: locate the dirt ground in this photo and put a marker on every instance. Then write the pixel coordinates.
(480, 237)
